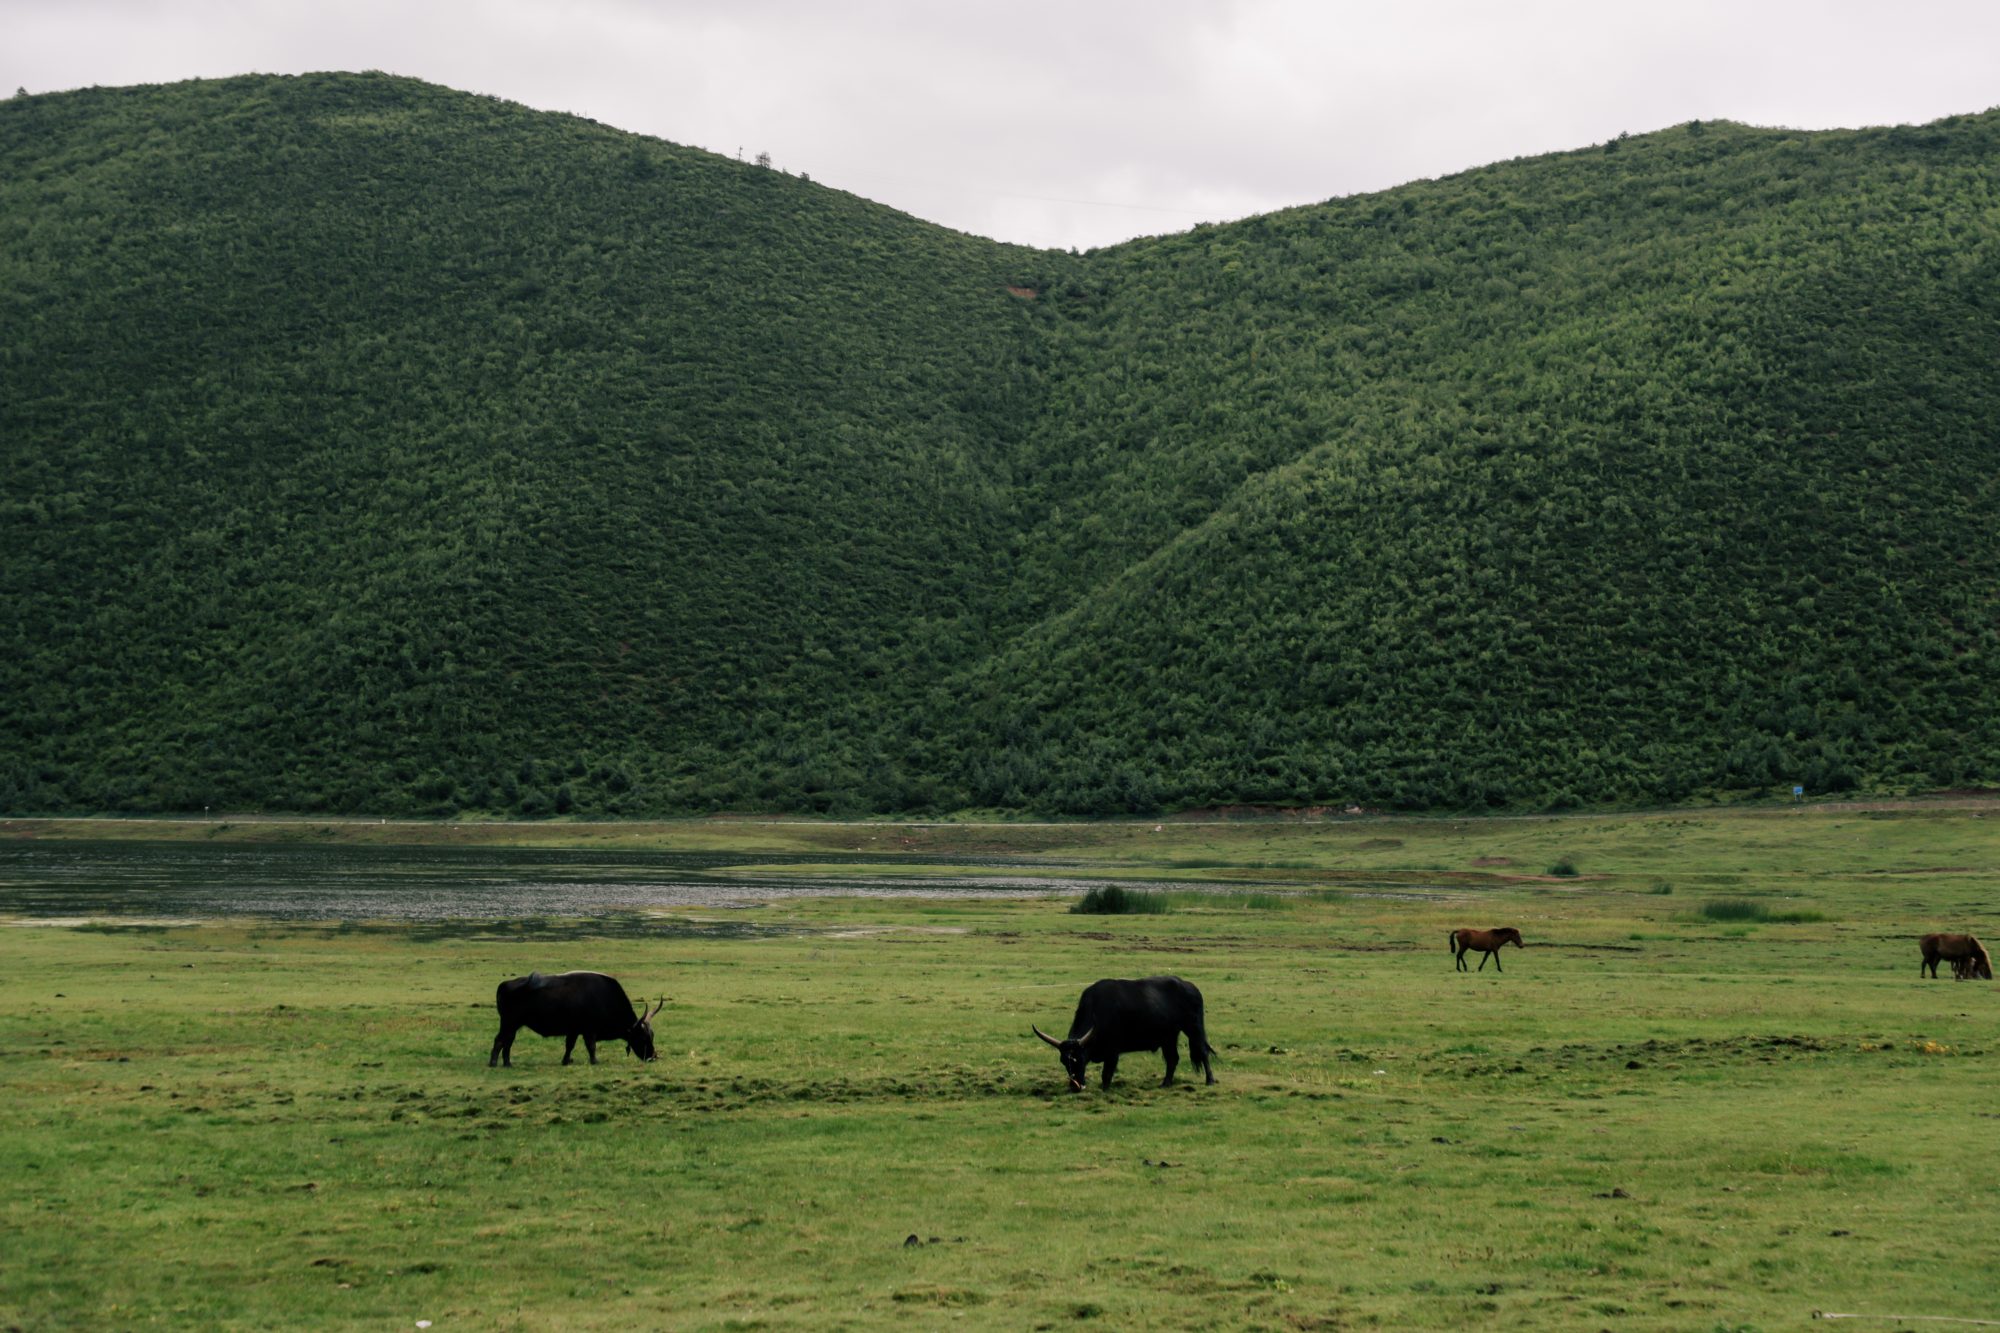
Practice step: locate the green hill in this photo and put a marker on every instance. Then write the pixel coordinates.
(375, 447)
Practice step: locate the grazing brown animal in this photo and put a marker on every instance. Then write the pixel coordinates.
(1967, 956)
(1488, 942)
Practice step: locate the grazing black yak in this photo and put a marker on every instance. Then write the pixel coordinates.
(1116, 1017)
(589, 1005)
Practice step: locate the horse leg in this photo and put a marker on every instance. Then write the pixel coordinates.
(1459, 959)
(1496, 962)
(1110, 1068)
(1171, 1053)
(1482, 961)
(569, 1047)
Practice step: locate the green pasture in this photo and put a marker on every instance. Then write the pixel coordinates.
(1652, 1119)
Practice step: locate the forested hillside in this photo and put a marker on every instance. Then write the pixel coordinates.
(374, 447)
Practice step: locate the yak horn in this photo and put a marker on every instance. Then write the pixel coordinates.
(656, 1010)
(1084, 1040)
(1046, 1037)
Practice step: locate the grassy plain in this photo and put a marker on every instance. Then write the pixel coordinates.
(1653, 1119)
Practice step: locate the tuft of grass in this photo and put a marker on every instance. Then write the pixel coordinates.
(1663, 887)
(1734, 909)
(1245, 900)
(1565, 867)
(1116, 900)
(1746, 909)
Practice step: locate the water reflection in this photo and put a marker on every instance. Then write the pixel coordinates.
(175, 880)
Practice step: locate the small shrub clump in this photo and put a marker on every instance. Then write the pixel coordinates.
(1564, 867)
(1116, 900)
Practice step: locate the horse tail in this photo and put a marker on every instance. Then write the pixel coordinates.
(1451, 942)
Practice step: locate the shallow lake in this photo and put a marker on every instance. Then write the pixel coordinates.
(69, 880)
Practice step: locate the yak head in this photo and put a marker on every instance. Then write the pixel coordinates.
(1073, 1055)
(640, 1039)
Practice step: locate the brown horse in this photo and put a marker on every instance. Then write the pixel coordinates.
(1487, 942)
(1967, 956)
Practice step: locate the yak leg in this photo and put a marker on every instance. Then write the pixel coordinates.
(1171, 1052)
(1110, 1068)
(590, 1045)
(503, 1047)
(569, 1047)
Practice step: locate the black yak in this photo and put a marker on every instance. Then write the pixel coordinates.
(1116, 1017)
(589, 1005)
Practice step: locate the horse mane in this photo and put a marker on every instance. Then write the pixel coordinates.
(1979, 953)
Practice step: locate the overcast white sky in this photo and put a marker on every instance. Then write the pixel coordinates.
(1077, 123)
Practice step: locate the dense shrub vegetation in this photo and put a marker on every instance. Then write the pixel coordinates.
(374, 447)
(1117, 900)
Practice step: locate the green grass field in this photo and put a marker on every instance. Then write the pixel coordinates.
(1653, 1119)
